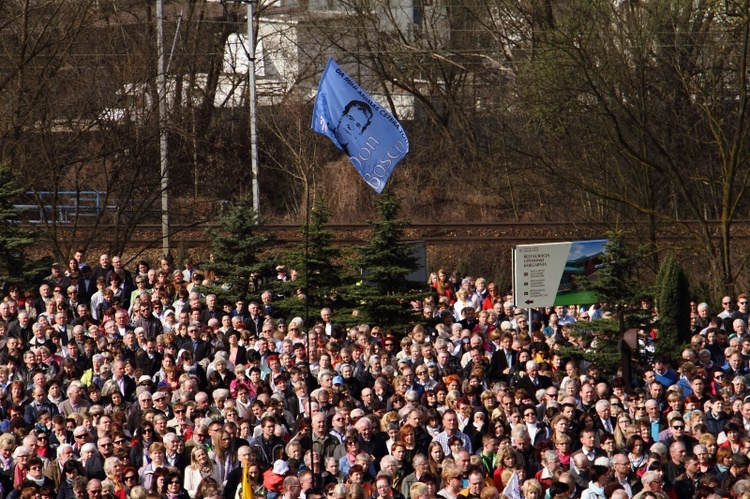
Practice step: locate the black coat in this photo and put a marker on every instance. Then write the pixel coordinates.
(200, 352)
(145, 364)
(498, 364)
(528, 385)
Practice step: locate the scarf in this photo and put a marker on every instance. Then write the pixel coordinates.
(636, 461)
(39, 482)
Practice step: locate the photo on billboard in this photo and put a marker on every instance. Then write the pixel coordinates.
(583, 263)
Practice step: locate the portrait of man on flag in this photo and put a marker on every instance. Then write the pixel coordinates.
(361, 128)
(352, 124)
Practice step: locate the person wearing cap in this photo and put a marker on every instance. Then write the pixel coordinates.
(273, 478)
(337, 383)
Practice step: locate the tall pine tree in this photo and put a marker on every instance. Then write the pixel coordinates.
(237, 246)
(672, 296)
(380, 293)
(317, 262)
(618, 287)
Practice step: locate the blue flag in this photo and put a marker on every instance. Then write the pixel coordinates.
(359, 126)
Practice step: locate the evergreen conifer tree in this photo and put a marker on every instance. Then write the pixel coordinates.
(379, 291)
(319, 272)
(237, 246)
(672, 296)
(14, 268)
(617, 286)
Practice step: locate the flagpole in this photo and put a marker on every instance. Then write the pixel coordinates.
(307, 310)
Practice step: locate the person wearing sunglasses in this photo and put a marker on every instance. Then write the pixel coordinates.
(173, 486)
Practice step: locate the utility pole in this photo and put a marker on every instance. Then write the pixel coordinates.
(251, 95)
(161, 89)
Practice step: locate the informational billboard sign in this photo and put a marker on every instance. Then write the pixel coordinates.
(545, 275)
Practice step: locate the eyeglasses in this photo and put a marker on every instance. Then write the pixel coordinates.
(529, 413)
(718, 376)
(726, 303)
(179, 411)
(641, 408)
(35, 467)
(174, 482)
(79, 436)
(120, 442)
(106, 444)
(148, 430)
(678, 427)
(130, 477)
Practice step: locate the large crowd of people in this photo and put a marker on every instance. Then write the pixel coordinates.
(143, 385)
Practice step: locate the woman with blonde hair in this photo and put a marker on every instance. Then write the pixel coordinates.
(201, 466)
(462, 301)
(451, 400)
(532, 489)
(507, 458)
(451, 477)
(224, 458)
(621, 437)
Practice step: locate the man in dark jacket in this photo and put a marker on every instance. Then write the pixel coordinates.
(716, 418)
(151, 325)
(267, 447)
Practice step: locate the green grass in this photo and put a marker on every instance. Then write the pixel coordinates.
(575, 298)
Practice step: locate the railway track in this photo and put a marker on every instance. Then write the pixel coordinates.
(439, 233)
